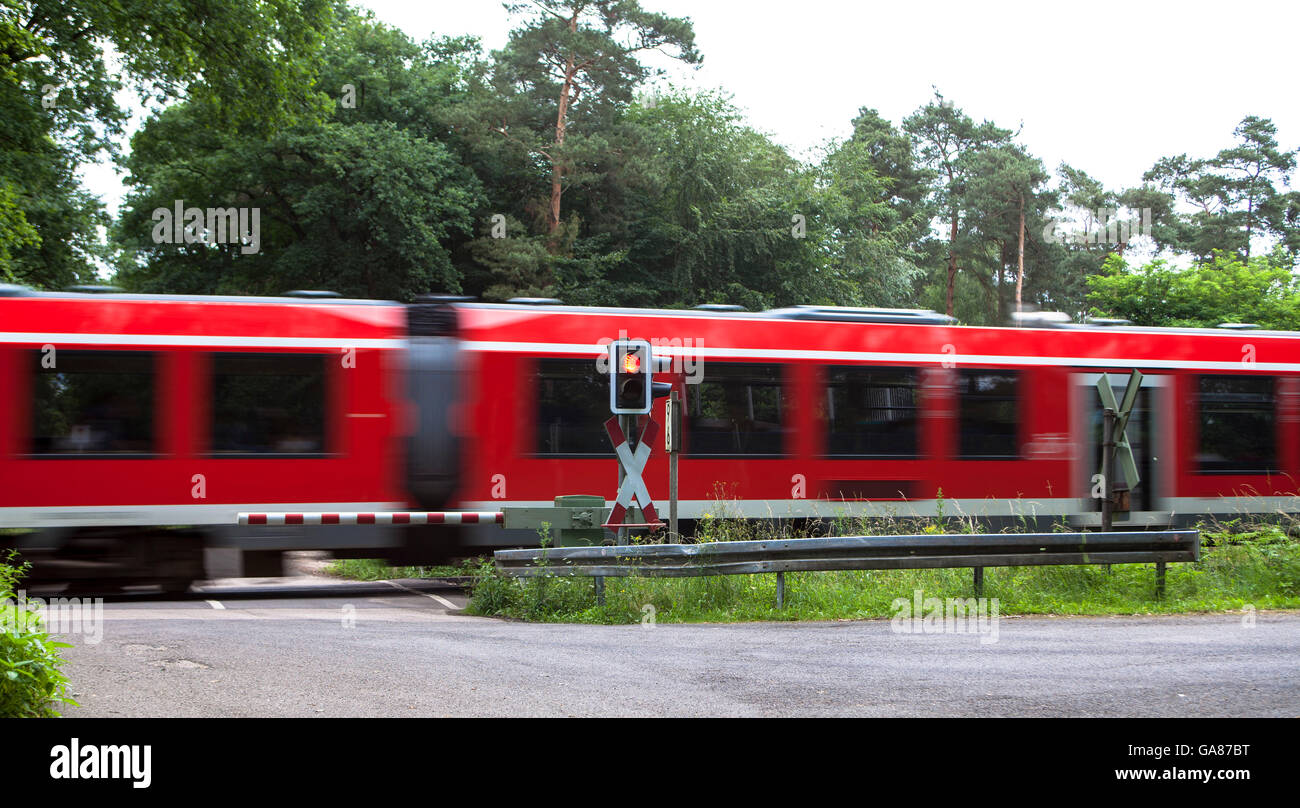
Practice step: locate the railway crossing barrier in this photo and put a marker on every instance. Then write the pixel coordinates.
(573, 520)
(859, 553)
(375, 518)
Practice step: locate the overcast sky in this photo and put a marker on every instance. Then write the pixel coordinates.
(1109, 86)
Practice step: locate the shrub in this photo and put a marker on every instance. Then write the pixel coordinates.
(31, 684)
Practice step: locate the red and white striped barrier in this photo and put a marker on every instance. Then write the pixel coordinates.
(378, 518)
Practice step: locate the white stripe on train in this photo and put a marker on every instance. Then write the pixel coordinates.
(54, 516)
(180, 340)
(921, 508)
(889, 356)
(184, 340)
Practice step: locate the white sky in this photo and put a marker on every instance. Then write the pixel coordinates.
(1108, 86)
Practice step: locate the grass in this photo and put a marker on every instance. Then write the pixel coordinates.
(1242, 566)
(370, 569)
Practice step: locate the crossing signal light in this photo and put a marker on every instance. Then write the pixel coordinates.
(629, 383)
(632, 364)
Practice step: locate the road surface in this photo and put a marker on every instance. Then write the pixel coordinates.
(373, 652)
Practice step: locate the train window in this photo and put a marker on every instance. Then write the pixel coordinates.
(989, 420)
(736, 409)
(573, 405)
(1237, 424)
(93, 402)
(871, 412)
(268, 404)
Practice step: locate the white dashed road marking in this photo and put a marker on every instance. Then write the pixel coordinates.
(216, 604)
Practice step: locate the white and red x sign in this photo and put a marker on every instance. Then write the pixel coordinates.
(633, 486)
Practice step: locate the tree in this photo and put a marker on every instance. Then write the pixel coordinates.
(866, 227)
(944, 134)
(370, 203)
(1233, 195)
(1095, 222)
(1282, 214)
(1002, 189)
(890, 153)
(1249, 170)
(246, 58)
(708, 215)
(1263, 290)
(585, 49)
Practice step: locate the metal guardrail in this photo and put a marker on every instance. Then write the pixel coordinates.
(859, 553)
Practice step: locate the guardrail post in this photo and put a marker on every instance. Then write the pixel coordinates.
(599, 583)
(1160, 580)
(979, 582)
(780, 590)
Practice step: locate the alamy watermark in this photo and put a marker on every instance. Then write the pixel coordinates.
(1107, 228)
(181, 225)
(56, 615)
(87, 761)
(922, 615)
(684, 353)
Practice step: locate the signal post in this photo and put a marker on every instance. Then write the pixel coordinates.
(632, 391)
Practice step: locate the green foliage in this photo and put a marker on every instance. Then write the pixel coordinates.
(566, 73)
(1006, 205)
(862, 232)
(709, 211)
(946, 140)
(240, 59)
(358, 204)
(1264, 291)
(31, 684)
(1233, 197)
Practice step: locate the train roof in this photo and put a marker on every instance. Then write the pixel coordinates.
(1053, 321)
(844, 314)
(110, 293)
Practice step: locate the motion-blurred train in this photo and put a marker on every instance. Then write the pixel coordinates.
(134, 428)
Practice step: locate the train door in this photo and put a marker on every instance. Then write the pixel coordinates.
(1148, 435)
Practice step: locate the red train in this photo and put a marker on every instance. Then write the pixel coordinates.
(134, 428)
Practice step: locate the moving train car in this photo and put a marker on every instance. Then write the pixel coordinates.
(134, 428)
(819, 411)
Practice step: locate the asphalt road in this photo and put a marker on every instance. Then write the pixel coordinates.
(369, 653)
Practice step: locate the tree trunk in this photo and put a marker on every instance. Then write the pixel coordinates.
(557, 168)
(1250, 214)
(1020, 256)
(952, 260)
(1001, 314)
